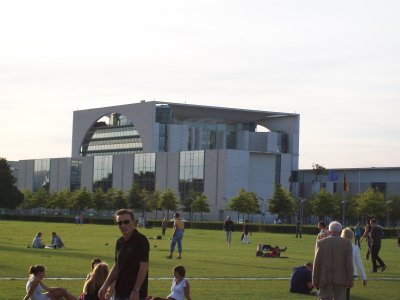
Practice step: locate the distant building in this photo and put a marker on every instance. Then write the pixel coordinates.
(212, 150)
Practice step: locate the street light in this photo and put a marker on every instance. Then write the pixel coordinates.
(263, 209)
(388, 218)
(344, 205)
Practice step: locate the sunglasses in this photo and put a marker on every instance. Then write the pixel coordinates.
(125, 222)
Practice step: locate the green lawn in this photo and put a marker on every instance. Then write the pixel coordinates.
(215, 270)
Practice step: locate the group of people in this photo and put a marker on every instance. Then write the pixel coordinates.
(55, 243)
(337, 261)
(127, 278)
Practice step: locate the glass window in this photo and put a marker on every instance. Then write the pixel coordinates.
(111, 134)
(191, 172)
(102, 172)
(144, 170)
(41, 174)
(75, 177)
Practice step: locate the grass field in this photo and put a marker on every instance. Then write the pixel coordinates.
(215, 270)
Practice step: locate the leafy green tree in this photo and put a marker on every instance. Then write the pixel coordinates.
(371, 204)
(99, 199)
(324, 204)
(60, 199)
(168, 201)
(81, 199)
(318, 170)
(41, 198)
(394, 207)
(120, 200)
(244, 202)
(135, 198)
(282, 203)
(153, 200)
(10, 196)
(188, 200)
(200, 205)
(28, 199)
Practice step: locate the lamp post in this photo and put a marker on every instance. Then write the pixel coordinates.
(263, 208)
(344, 205)
(388, 217)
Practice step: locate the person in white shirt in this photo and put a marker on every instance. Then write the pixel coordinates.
(347, 233)
(180, 286)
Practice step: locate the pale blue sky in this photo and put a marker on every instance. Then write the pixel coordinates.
(336, 63)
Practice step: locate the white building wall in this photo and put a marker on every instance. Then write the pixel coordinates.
(60, 169)
(123, 171)
(237, 171)
(142, 115)
(87, 173)
(178, 137)
(25, 174)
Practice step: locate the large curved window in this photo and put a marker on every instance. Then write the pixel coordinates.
(111, 134)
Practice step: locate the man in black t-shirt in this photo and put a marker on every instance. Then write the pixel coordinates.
(228, 227)
(130, 271)
(301, 279)
(376, 238)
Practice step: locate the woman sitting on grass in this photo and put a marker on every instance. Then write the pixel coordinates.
(180, 286)
(94, 281)
(37, 290)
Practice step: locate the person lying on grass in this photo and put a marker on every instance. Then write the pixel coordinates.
(269, 251)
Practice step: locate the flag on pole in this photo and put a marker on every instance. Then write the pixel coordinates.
(332, 176)
(346, 186)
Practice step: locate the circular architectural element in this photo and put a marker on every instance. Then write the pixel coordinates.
(111, 134)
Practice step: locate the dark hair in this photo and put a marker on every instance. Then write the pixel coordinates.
(36, 269)
(180, 270)
(373, 221)
(176, 215)
(125, 211)
(309, 264)
(321, 223)
(95, 261)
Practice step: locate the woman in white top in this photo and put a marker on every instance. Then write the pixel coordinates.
(37, 290)
(347, 233)
(180, 286)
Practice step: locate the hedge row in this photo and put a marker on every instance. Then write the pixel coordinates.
(275, 228)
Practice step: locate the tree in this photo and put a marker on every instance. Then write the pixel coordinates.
(99, 199)
(135, 198)
(371, 204)
(281, 203)
(200, 205)
(10, 196)
(318, 170)
(120, 200)
(153, 200)
(394, 207)
(168, 201)
(324, 204)
(188, 199)
(244, 202)
(60, 199)
(81, 199)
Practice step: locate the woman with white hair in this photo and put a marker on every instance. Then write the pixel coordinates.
(347, 233)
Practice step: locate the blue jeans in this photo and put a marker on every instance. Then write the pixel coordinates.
(177, 238)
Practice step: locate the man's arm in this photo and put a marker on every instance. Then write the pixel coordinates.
(143, 267)
(112, 276)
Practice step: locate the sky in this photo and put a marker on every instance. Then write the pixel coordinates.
(336, 63)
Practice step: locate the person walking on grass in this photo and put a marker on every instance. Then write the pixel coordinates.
(333, 269)
(376, 238)
(228, 227)
(177, 236)
(130, 271)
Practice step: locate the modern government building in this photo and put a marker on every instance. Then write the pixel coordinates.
(211, 150)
